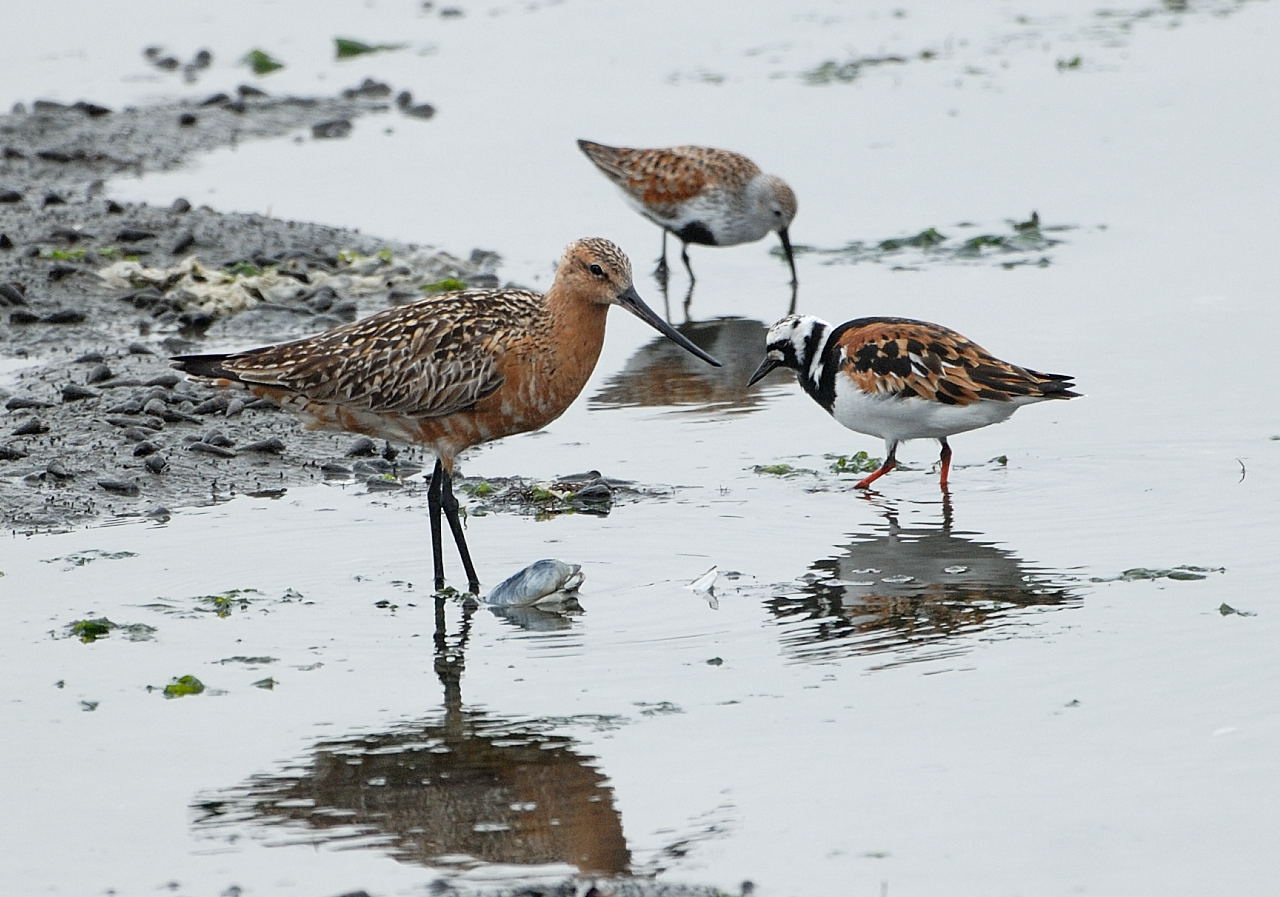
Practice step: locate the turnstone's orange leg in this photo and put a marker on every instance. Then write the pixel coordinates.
(890, 462)
(945, 458)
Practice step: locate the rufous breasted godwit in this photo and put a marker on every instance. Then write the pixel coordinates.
(451, 371)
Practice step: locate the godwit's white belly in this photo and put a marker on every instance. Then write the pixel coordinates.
(896, 419)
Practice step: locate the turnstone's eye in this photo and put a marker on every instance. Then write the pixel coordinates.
(597, 271)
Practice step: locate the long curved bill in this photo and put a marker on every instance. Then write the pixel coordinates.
(765, 367)
(631, 301)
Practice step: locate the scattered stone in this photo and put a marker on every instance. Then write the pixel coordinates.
(73, 392)
(144, 448)
(156, 464)
(363, 447)
(421, 110)
(134, 235)
(327, 130)
(18, 403)
(12, 294)
(98, 373)
(64, 316)
(58, 470)
(272, 446)
(205, 448)
(10, 196)
(120, 487)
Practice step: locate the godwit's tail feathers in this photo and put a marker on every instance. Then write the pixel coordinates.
(209, 366)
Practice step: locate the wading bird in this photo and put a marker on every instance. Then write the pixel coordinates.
(702, 195)
(451, 371)
(899, 379)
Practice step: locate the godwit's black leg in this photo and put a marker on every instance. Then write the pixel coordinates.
(945, 458)
(662, 271)
(890, 462)
(433, 509)
(450, 504)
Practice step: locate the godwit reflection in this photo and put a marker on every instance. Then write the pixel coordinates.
(656, 376)
(910, 590)
(460, 784)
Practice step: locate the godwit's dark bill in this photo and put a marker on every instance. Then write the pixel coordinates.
(631, 301)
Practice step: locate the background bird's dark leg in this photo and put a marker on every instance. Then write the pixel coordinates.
(945, 458)
(795, 290)
(661, 271)
(688, 302)
(433, 509)
(890, 462)
(684, 257)
(450, 503)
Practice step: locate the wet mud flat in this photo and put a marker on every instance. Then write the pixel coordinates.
(95, 295)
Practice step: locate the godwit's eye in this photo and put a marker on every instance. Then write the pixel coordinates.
(597, 271)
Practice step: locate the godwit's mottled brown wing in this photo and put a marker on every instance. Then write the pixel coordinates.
(669, 175)
(916, 359)
(427, 359)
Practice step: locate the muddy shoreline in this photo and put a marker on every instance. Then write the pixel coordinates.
(95, 295)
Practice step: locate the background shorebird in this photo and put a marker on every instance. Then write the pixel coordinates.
(702, 195)
(451, 371)
(898, 379)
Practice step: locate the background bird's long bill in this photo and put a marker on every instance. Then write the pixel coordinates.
(765, 367)
(631, 301)
(791, 259)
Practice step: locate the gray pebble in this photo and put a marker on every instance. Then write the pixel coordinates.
(155, 406)
(156, 463)
(362, 447)
(273, 446)
(98, 373)
(169, 380)
(144, 448)
(16, 404)
(120, 487)
(209, 406)
(32, 426)
(216, 437)
(205, 448)
(382, 484)
(58, 470)
(375, 466)
(74, 391)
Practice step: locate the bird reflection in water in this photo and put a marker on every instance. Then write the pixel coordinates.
(910, 590)
(467, 784)
(656, 376)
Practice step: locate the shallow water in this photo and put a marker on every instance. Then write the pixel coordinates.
(880, 694)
